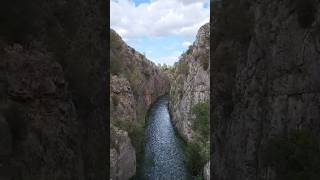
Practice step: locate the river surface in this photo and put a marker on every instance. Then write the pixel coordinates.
(163, 149)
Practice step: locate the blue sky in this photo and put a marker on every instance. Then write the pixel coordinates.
(161, 29)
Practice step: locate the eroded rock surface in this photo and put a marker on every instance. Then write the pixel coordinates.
(265, 82)
(190, 84)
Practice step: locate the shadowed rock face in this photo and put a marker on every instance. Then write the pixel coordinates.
(136, 83)
(52, 91)
(263, 86)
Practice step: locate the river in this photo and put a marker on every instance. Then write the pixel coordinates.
(163, 150)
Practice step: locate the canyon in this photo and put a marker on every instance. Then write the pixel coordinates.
(136, 83)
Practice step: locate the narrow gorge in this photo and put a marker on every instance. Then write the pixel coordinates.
(145, 124)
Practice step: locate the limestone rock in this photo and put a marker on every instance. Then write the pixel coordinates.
(188, 90)
(122, 155)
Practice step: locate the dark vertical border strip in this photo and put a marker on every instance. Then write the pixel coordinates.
(107, 16)
(211, 85)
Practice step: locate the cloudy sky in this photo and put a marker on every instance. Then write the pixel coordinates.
(162, 29)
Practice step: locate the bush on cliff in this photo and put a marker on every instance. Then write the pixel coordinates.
(194, 160)
(293, 157)
(201, 123)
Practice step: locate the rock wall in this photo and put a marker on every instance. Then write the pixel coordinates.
(265, 81)
(136, 83)
(52, 88)
(189, 89)
(190, 84)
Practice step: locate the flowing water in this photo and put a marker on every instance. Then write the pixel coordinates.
(163, 149)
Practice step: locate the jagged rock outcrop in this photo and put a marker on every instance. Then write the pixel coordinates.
(52, 90)
(190, 85)
(135, 84)
(265, 83)
(123, 156)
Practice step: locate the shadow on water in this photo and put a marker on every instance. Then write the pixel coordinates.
(163, 150)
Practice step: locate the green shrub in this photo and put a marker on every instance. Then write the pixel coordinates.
(293, 157)
(194, 160)
(189, 51)
(201, 124)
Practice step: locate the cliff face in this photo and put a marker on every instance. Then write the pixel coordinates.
(190, 83)
(53, 126)
(189, 101)
(135, 84)
(265, 85)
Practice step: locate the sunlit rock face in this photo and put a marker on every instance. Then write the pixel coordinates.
(265, 82)
(122, 155)
(192, 86)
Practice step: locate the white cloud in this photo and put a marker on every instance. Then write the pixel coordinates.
(186, 44)
(158, 18)
(169, 60)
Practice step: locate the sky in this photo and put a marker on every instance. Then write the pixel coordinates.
(160, 29)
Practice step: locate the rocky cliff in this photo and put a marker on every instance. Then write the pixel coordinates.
(189, 93)
(190, 84)
(265, 82)
(136, 83)
(52, 87)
